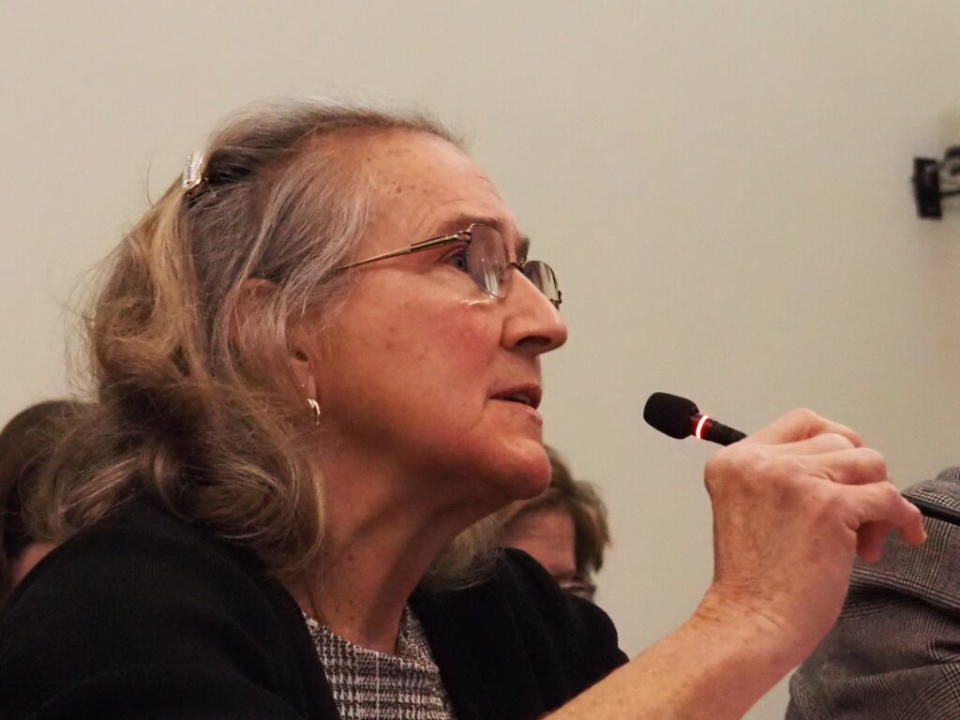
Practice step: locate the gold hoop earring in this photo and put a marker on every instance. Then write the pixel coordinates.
(315, 408)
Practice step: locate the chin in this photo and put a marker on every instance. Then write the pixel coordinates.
(527, 473)
(495, 475)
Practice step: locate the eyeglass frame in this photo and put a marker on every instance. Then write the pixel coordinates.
(465, 235)
(580, 586)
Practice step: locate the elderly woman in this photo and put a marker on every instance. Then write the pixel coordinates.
(318, 372)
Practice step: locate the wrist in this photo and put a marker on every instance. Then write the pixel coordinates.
(750, 633)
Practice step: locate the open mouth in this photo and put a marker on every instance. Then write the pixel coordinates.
(529, 396)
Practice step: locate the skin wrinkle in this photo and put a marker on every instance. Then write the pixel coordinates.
(421, 448)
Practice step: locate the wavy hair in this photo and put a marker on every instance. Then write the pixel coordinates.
(198, 407)
(26, 444)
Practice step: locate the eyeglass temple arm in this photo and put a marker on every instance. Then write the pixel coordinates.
(416, 247)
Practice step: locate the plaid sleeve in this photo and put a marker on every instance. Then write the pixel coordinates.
(894, 653)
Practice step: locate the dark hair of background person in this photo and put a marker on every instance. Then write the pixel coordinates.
(26, 443)
(580, 500)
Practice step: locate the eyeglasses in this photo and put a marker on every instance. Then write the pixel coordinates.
(580, 587)
(486, 261)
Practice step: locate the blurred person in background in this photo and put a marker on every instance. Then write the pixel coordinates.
(26, 444)
(564, 529)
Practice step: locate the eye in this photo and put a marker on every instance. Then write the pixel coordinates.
(457, 258)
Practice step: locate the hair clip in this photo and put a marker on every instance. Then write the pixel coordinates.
(193, 171)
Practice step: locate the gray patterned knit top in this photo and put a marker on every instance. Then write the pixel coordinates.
(370, 685)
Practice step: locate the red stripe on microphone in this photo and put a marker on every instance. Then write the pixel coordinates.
(700, 423)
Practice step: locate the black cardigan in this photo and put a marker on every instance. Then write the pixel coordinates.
(144, 616)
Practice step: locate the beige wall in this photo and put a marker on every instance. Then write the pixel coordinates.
(722, 186)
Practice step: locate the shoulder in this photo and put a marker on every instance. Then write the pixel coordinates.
(143, 592)
(917, 573)
(943, 491)
(521, 632)
(891, 646)
(138, 551)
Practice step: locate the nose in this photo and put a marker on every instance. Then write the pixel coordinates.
(533, 323)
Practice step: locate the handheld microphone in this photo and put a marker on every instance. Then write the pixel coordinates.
(679, 418)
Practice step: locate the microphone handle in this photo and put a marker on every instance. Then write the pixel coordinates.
(706, 428)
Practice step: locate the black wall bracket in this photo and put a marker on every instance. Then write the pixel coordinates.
(934, 180)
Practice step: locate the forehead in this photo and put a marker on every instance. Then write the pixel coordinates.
(425, 186)
(548, 535)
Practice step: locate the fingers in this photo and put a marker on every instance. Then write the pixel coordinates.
(851, 466)
(799, 425)
(825, 443)
(864, 496)
(876, 508)
(870, 540)
(802, 448)
(827, 457)
(884, 507)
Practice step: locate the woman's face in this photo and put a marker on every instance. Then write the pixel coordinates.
(415, 371)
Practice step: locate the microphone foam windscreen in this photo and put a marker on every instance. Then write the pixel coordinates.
(670, 414)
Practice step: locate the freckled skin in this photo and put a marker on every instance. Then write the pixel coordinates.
(418, 350)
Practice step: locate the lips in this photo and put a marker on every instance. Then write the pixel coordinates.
(526, 394)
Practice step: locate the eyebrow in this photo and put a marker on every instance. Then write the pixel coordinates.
(462, 221)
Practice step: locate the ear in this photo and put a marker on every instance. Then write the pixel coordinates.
(301, 342)
(252, 296)
(303, 370)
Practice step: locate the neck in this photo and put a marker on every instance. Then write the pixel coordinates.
(382, 533)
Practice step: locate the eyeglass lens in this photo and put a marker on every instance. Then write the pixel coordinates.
(579, 587)
(541, 275)
(486, 258)
(487, 262)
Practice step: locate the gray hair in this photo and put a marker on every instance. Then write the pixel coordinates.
(199, 408)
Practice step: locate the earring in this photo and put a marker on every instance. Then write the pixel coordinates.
(315, 408)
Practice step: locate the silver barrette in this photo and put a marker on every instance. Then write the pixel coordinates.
(193, 171)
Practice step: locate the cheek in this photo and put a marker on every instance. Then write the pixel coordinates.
(466, 338)
(451, 338)
(442, 365)
(409, 350)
